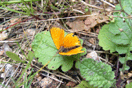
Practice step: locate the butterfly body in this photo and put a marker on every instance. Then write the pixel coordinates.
(62, 49)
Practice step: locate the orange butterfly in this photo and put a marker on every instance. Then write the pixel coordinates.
(67, 45)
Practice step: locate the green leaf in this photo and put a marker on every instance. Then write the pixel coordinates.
(85, 52)
(77, 64)
(13, 56)
(97, 73)
(126, 67)
(105, 39)
(30, 55)
(117, 35)
(129, 57)
(44, 48)
(129, 85)
(84, 84)
(122, 60)
(127, 6)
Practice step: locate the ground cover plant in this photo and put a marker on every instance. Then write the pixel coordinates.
(64, 44)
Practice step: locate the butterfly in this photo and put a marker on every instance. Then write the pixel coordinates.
(66, 45)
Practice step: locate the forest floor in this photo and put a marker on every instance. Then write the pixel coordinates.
(20, 21)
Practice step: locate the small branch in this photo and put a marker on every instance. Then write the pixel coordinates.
(78, 11)
(35, 17)
(108, 3)
(117, 69)
(61, 18)
(61, 76)
(129, 17)
(15, 24)
(7, 41)
(91, 5)
(52, 78)
(11, 76)
(106, 61)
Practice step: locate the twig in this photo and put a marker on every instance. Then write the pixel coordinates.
(108, 3)
(52, 78)
(59, 84)
(11, 76)
(7, 41)
(102, 52)
(66, 77)
(16, 24)
(42, 3)
(36, 17)
(106, 61)
(78, 11)
(19, 72)
(117, 69)
(90, 5)
(129, 17)
(60, 18)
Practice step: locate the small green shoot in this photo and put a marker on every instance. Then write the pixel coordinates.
(30, 58)
(13, 56)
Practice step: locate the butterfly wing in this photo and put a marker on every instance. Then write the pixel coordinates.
(72, 52)
(57, 35)
(68, 41)
(71, 41)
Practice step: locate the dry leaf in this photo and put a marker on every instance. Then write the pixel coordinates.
(97, 30)
(77, 25)
(3, 36)
(89, 23)
(12, 21)
(1, 52)
(129, 74)
(92, 41)
(30, 32)
(92, 21)
(71, 84)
